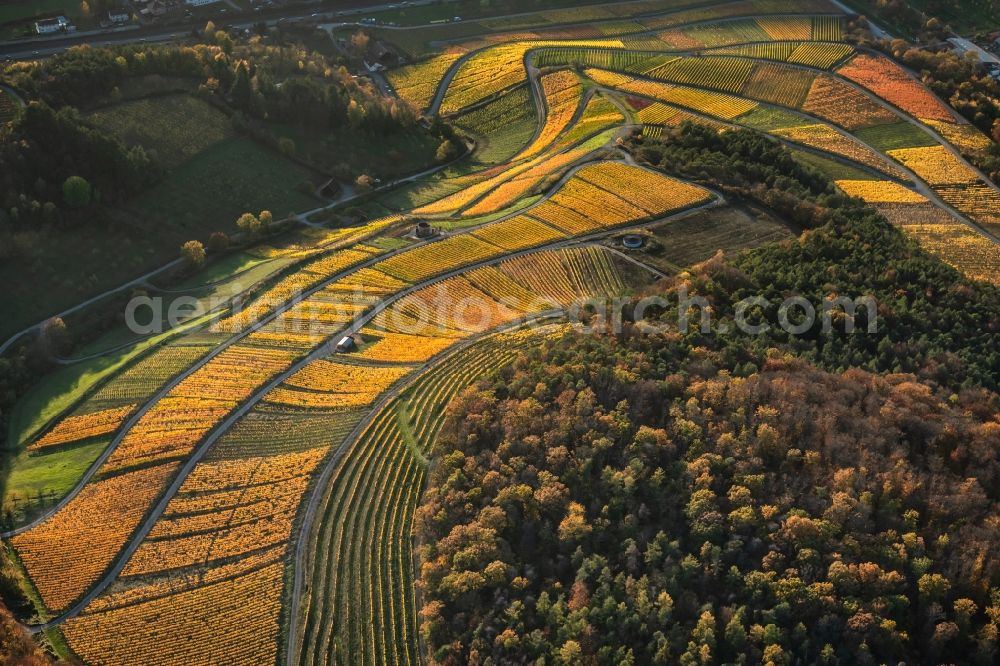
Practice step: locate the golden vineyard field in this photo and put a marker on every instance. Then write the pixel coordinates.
(225, 460)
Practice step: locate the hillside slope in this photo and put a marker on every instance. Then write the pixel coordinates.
(652, 496)
(630, 500)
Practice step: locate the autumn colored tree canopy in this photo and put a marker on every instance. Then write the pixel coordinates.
(665, 497)
(627, 500)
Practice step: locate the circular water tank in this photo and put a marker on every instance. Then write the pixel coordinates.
(633, 242)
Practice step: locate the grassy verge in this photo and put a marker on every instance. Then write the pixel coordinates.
(207, 193)
(221, 269)
(59, 390)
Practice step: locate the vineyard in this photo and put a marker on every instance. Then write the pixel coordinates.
(246, 491)
(563, 93)
(505, 125)
(360, 568)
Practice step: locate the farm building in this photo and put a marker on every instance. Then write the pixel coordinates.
(51, 25)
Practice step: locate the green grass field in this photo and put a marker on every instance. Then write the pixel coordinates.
(222, 269)
(897, 135)
(57, 270)
(216, 177)
(767, 118)
(172, 128)
(207, 193)
(383, 156)
(966, 17)
(53, 473)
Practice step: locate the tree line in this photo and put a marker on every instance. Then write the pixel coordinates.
(51, 140)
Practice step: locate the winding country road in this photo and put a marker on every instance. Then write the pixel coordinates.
(320, 352)
(922, 187)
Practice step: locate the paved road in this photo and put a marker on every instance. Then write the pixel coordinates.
(141, 280)
(44, 46)
(321, 352)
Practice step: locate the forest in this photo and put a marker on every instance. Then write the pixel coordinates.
(926, 326)
(648, 497)
(630, 499)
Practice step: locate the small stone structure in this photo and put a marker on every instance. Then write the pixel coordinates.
(423, 229)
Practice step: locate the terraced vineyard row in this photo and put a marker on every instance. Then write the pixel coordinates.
(237, 505)
(174, 426)
(361, 605)
(222, 542)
